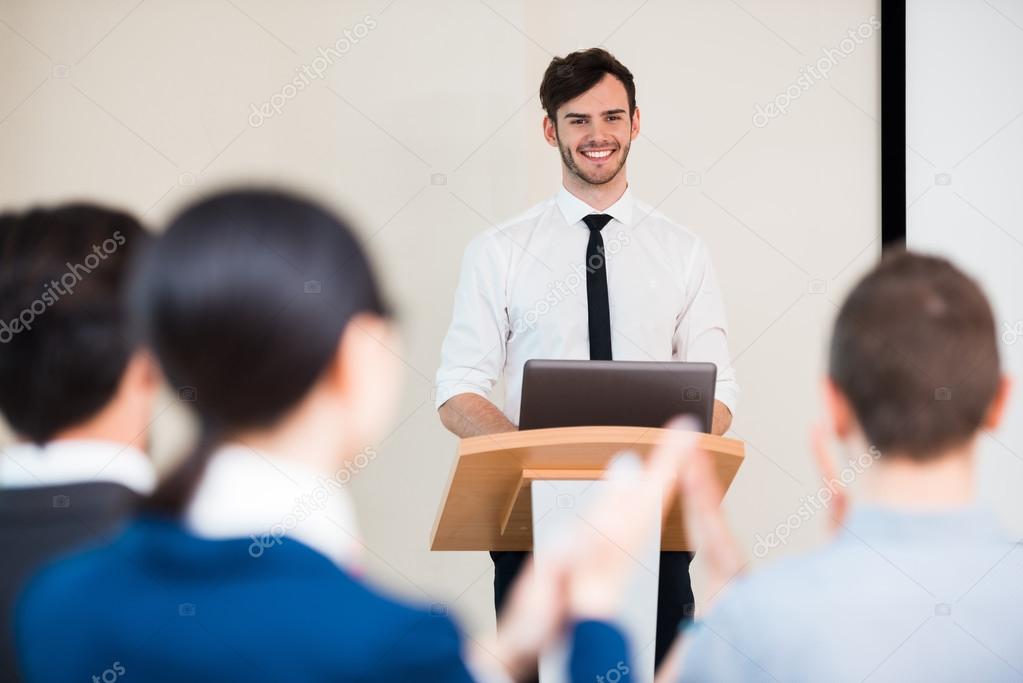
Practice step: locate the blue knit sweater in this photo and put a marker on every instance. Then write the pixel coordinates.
(160, 604)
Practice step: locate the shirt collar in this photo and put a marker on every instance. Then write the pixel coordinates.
(573, 208)
(246, 493)
(76, 461)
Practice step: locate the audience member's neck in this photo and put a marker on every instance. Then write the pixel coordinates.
(597, 196)
(126, 417)
(110, 424)
(944, 481)
(308, 436)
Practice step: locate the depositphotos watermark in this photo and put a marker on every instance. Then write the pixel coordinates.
(111, 674)
(314, 70)
(65, 286)
(812, 504)
(615, 674)
(312, 502)
(811, 74)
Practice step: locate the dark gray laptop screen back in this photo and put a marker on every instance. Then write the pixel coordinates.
(572, 393)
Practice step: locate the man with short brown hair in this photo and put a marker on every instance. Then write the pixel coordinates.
(920, 582)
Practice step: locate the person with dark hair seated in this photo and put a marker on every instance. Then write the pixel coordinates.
(920, 582)
(74, 388)
(265, 307)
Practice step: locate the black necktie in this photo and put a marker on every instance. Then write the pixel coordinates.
(596, 289)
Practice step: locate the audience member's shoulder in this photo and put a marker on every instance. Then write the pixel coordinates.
(749, 623)
(416, 638)
(58, 584)
(767, 589)
(388, 638)
(391, 613)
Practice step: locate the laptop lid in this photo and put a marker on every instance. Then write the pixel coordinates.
(571, 393)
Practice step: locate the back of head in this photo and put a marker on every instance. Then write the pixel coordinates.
(244, 300)
(915, 352)
(64, 335)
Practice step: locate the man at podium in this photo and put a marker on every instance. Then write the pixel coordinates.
(591, 273)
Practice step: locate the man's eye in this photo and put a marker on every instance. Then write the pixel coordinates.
(613, 117)
(578, 120)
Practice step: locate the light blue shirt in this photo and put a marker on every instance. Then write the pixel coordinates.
(897, 596)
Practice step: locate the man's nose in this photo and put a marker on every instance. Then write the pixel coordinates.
(600, 133)
(600, 141)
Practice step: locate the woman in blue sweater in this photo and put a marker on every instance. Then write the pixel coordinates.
(265, 316)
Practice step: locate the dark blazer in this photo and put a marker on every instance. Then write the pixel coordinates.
(159, 604)
(40, 523)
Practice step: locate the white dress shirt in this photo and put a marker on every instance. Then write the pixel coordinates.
(522, 294)
(76, 461)
(245, 493)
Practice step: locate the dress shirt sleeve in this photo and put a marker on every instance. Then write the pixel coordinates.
(473, 352)
(701, 333)
(598, 649)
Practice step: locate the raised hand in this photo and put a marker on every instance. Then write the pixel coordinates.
(706, 527)
(585, 577)
(839, 503)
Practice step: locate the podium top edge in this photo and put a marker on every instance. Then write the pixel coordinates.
(598, 434)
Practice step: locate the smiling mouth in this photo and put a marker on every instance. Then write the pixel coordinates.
(597, 154)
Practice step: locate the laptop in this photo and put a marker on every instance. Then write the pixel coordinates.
(572, 393)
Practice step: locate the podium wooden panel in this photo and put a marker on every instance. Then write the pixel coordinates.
(487, 505)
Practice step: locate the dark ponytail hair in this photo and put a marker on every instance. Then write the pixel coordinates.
(243, 300)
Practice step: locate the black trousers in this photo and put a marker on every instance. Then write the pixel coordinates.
(674, 592)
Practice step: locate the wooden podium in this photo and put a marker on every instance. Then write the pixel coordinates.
(511, 489)
(487, 505)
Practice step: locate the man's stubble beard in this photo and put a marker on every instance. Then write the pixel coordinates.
(566, 158)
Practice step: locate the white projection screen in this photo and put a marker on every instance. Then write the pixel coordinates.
(964, 170)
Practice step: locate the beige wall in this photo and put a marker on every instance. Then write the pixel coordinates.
(428, 129)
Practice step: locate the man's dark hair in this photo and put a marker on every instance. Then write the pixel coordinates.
(570, 76)
(64, 334)
(915, 352)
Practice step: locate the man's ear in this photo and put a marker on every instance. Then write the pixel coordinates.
(550, 132)
(996, 411)
(635, 124)
(839, 411)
